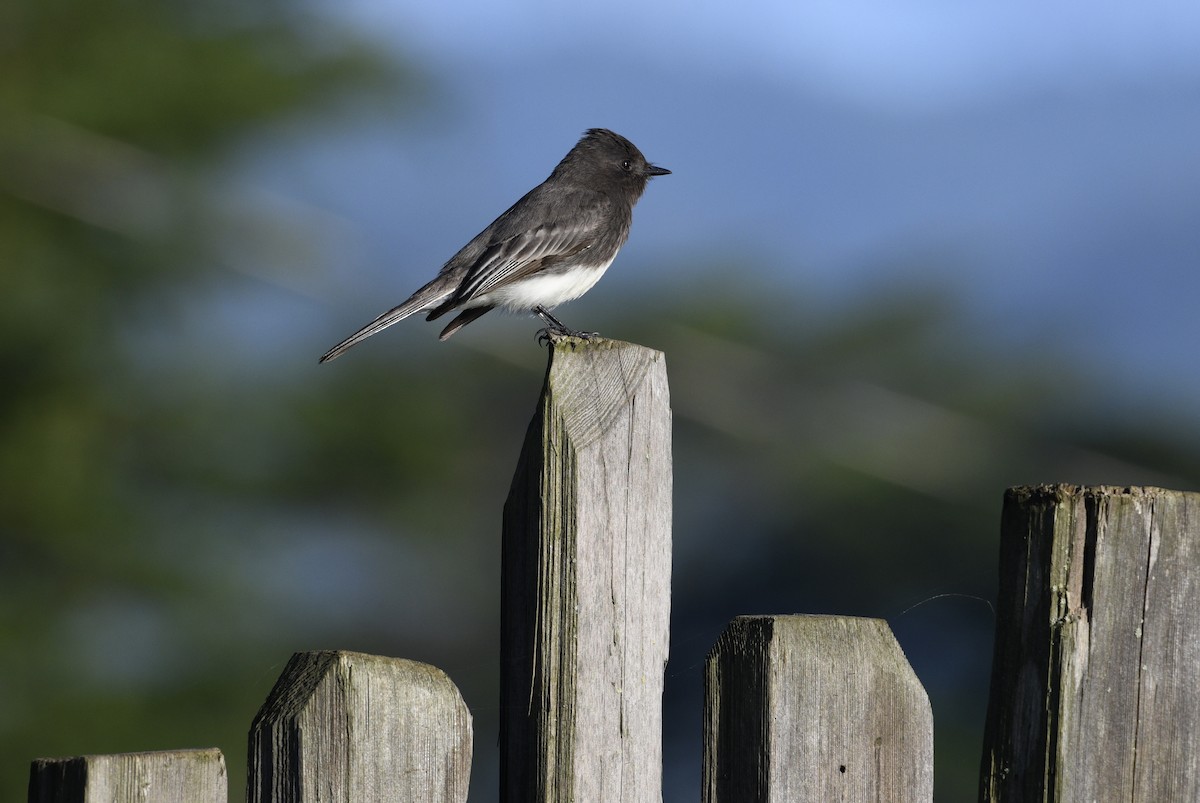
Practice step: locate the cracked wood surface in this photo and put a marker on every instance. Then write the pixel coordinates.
(1096, 677)
(586, 582)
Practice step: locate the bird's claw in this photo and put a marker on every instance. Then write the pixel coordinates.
(556, 330)
(551, 334)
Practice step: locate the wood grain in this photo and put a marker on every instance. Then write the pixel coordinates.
(814, 708)
(586, 582)
(1096, 678)
(345, 727)
(169, 776)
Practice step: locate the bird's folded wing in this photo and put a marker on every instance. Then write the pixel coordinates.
(517, 257)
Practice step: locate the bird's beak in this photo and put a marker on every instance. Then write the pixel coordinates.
(655, 170)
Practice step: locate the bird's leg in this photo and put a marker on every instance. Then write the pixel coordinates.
(552, 323)
(556, 328)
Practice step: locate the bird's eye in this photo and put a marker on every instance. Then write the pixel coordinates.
(626, 165)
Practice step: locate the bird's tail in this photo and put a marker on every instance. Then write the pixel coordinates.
(427, 297)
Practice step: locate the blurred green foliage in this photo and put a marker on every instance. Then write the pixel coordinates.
(111, 113)
(177, 515)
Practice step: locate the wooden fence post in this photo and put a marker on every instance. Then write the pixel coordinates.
(170, 776)
(1097, 664)
(346, 727)
(586, 582)
(814, 708)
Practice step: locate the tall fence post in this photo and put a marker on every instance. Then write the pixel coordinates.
(586, 582)
(1097, 661)
(814, 708)
(168, 776)
(346, 727)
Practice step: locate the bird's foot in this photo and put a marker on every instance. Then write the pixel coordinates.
(556, 330)
(553, 334)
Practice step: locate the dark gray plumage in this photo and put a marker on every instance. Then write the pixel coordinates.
(548, 248)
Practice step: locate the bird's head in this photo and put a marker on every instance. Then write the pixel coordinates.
(603, 158)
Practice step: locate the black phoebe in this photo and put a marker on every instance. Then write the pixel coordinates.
(549, 247)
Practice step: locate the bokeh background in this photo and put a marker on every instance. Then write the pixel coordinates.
(910, 255)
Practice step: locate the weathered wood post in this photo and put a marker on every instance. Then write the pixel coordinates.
(346, 727)
(1096, 677)
(169, 776)
(586, 582)
(814, 708)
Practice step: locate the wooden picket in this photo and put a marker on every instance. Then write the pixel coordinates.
(1093, 692)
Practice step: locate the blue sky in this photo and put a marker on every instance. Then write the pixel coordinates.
(1038, 163)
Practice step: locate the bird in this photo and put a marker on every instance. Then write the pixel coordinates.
(548, 248)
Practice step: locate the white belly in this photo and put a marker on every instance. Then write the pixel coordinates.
(548, 290)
